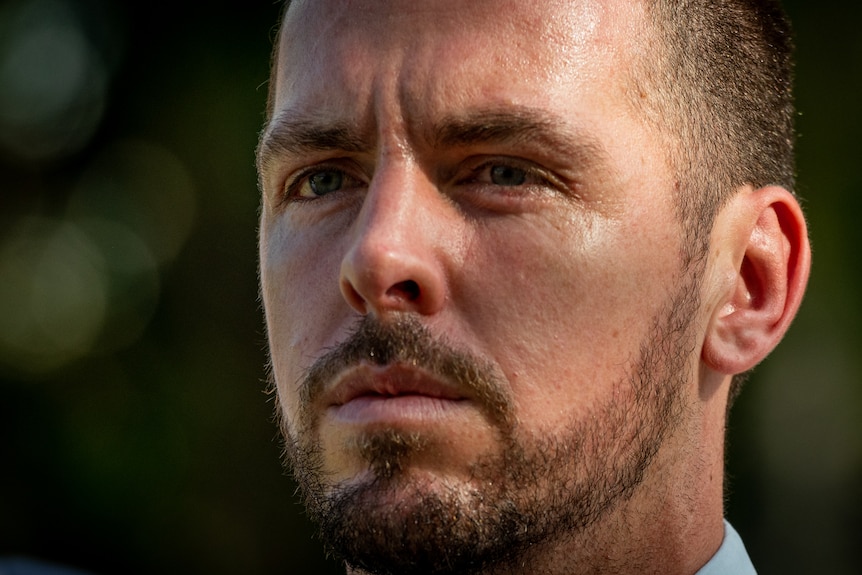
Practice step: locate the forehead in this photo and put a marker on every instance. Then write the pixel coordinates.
(426, 57)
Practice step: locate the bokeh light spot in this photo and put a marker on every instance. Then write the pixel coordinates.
(143, 187)
(53, 299)
(53, 82)
(133, 282)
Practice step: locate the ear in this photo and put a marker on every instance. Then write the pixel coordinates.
(763, 257)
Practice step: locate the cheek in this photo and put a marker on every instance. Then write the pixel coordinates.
(299, 288)
(565, 311)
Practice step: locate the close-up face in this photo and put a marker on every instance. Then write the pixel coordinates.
(470, 258)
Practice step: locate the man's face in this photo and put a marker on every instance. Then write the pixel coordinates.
(470, 262)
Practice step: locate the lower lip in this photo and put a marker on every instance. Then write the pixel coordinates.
(395, 409)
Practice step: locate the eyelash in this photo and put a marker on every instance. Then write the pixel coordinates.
(290, 190)
(478, 175)
(533, 175)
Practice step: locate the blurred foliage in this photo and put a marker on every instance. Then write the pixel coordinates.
(136, 437)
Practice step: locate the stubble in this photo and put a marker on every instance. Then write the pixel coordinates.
(533, 492)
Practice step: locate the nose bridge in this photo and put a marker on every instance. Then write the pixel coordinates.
(389, 205)
(393, 259)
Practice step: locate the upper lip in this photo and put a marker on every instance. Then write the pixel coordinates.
(389, 381)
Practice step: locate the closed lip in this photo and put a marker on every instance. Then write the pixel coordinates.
(390, 381)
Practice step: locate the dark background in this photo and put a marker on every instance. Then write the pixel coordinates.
(135, 434)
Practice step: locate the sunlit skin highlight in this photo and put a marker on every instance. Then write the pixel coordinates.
(514, 211)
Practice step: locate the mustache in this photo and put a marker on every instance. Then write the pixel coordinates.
(404, 340)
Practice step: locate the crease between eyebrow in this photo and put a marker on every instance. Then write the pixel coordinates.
(511, 126)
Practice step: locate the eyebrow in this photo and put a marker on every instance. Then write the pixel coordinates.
(512, 126)
(297, 136)
(519, 126)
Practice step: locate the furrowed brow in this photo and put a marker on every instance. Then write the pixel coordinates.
(302, 136)
(514, 127)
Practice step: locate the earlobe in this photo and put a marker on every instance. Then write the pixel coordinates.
(769, 259)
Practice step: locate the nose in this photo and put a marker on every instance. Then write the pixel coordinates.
(395, 258)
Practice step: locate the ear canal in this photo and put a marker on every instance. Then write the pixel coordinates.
(750, 285)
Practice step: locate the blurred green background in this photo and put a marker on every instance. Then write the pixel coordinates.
(135, 436)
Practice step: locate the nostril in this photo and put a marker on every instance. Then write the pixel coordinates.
(407, 290)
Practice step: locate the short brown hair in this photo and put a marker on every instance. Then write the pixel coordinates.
(720, 86)
(720, 89)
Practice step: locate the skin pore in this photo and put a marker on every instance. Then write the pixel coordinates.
(486, 340)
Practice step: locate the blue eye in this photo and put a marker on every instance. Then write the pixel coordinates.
(325, 182)
(508, 176)
(319, 181)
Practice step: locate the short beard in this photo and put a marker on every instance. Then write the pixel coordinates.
(537, 491)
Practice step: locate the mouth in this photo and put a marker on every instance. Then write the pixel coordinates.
(392, 394)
